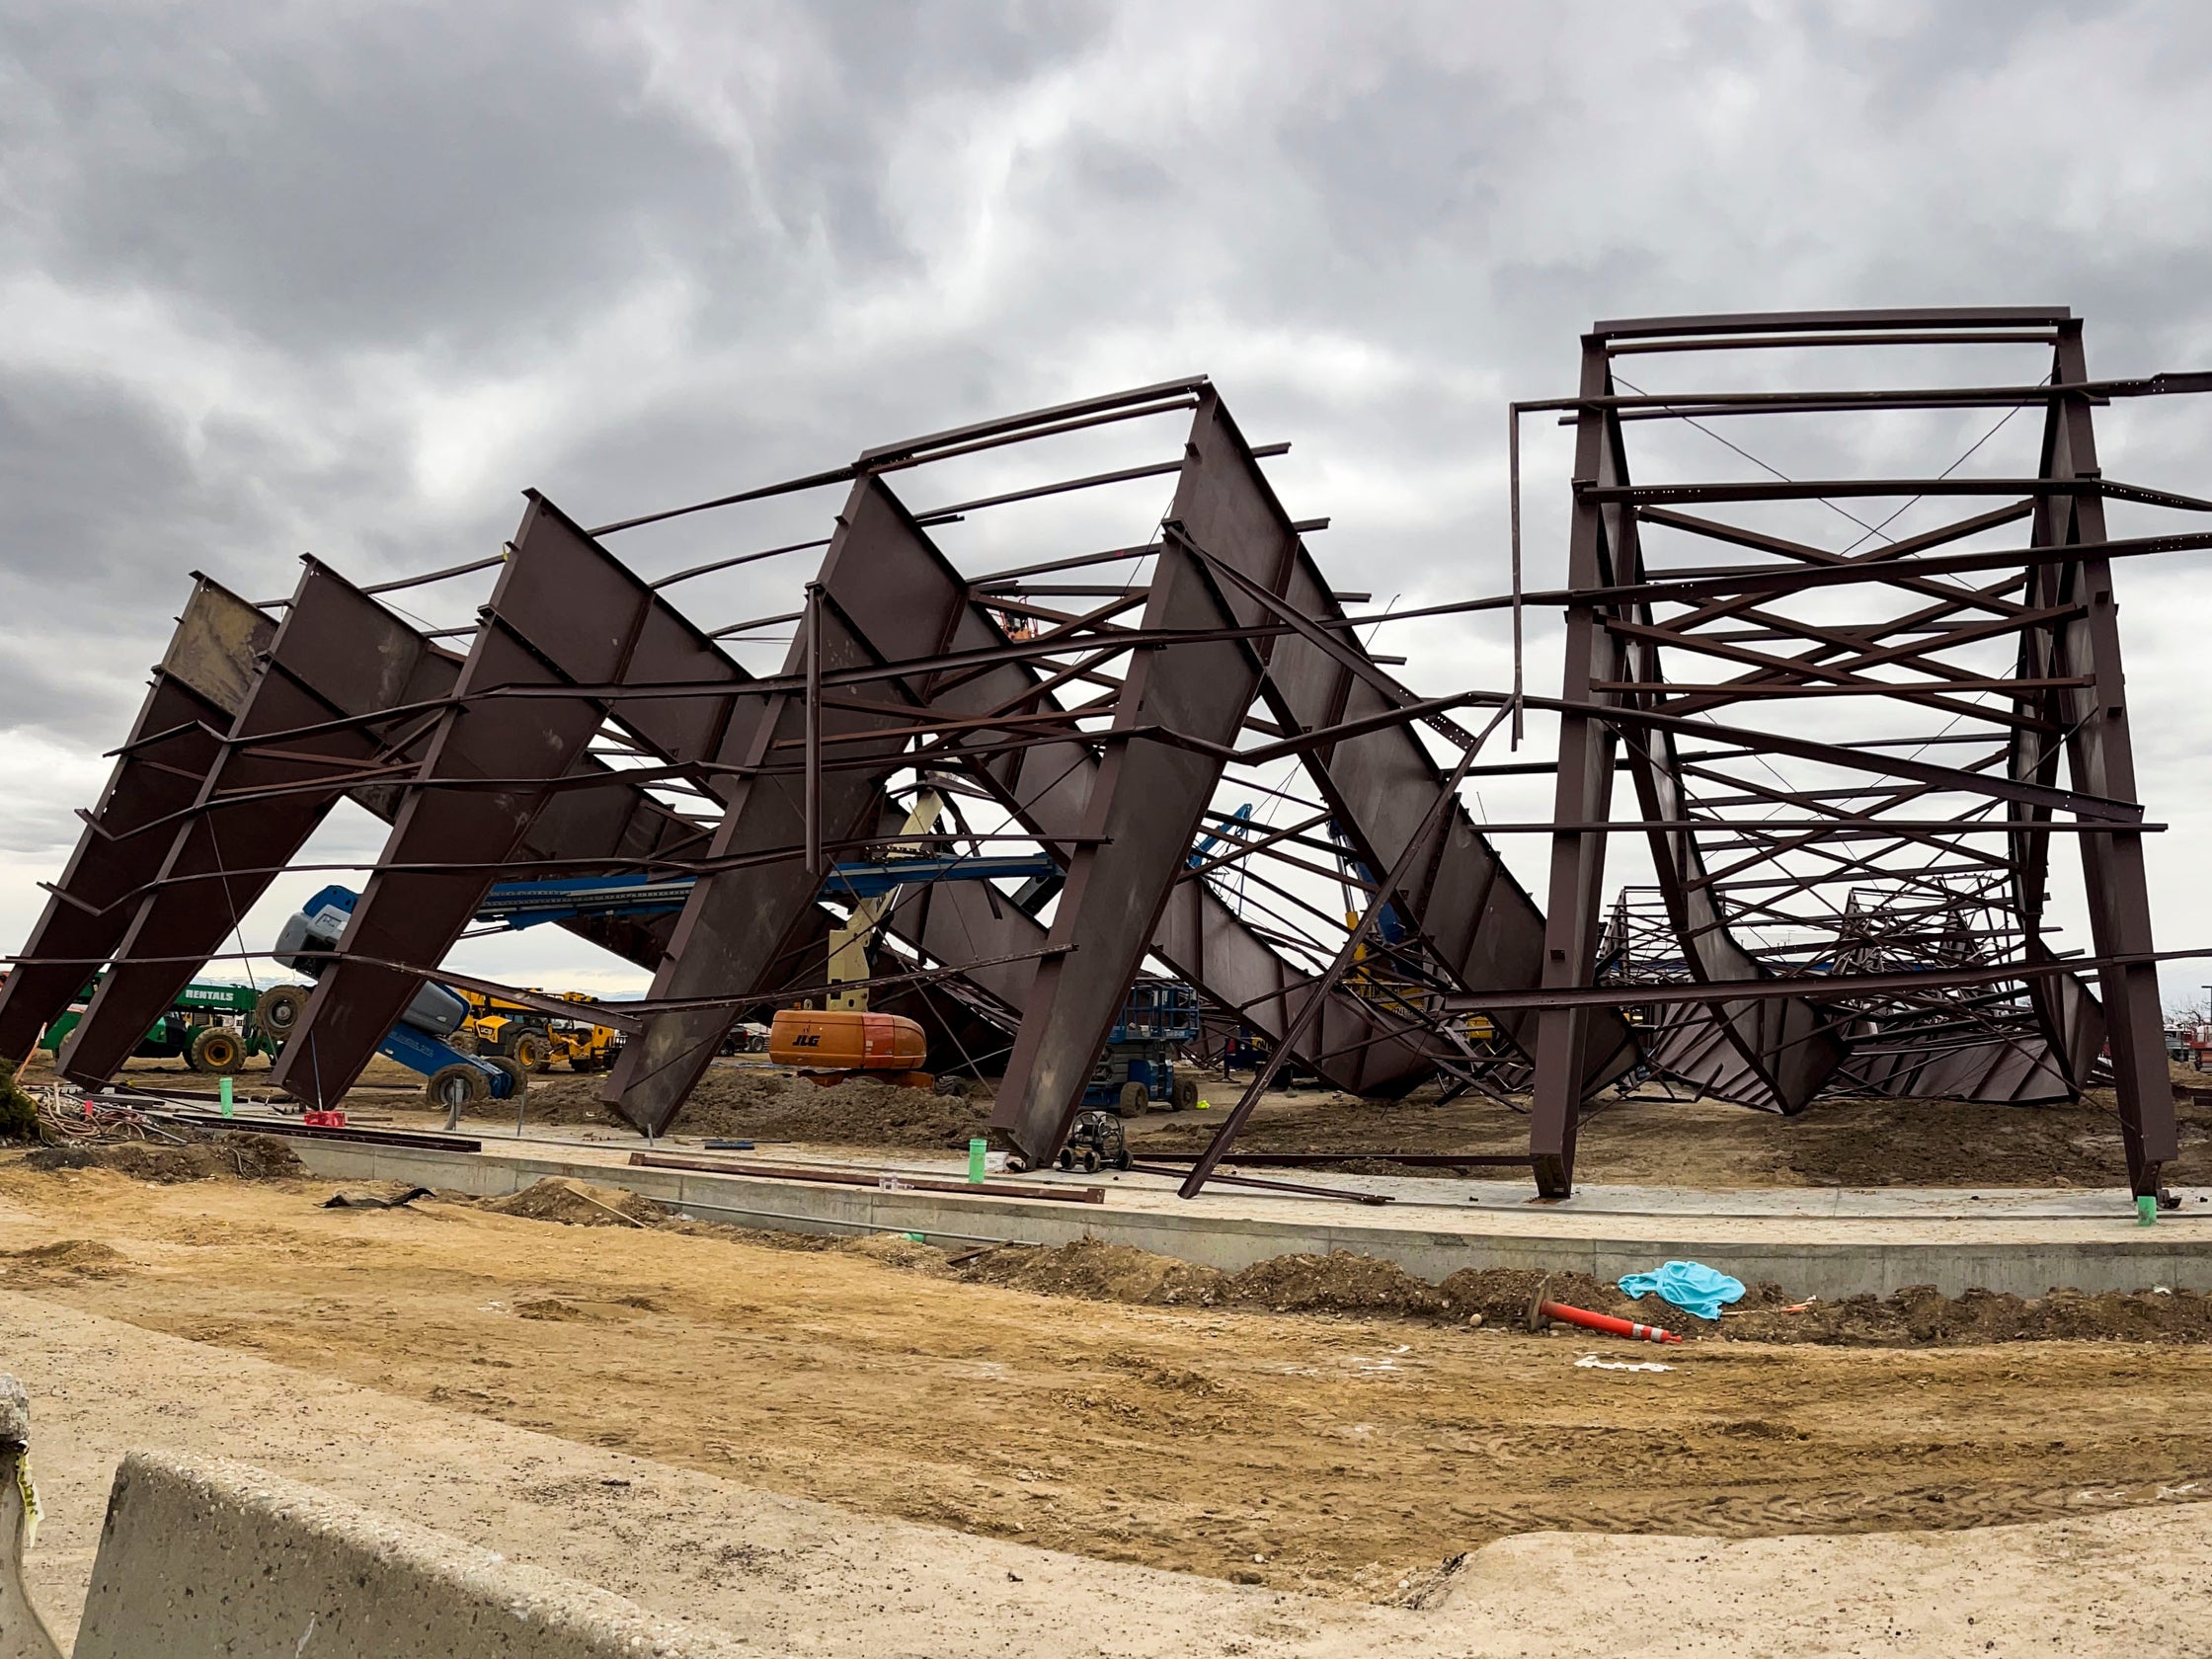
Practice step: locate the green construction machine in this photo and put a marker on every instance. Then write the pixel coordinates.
(210, 1026)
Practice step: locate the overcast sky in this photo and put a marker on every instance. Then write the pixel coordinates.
(347, 278)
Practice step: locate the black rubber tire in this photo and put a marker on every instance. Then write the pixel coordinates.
(1184, 1096)
(1133, 1101)
(1122, 1160)
(457, 1087)
(1090, 1160)
(532, 1051)
(462, 1042)
(277, 1009)
(518, 1080)
(1066, 1157)
(584, 1062)
(216, 1051)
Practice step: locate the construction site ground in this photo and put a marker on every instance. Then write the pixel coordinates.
(1005, 1449)
(1639, 1140)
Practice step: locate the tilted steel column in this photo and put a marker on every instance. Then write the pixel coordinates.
(195, 693)
(735, 924)
(564, 612)
(336, 654)
(1478, 920)
(908, 602)
(1145, 806)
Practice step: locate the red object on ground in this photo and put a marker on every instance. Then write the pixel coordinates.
(323, 1120)
(1605, 1322)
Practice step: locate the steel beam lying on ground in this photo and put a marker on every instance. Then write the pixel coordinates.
(197, 687)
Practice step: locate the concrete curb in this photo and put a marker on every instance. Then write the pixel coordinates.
(1828, 1258)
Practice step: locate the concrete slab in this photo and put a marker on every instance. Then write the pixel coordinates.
(1829, 1244)
(204, 1560)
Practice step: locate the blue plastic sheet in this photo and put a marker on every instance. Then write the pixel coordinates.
(1690, 1285)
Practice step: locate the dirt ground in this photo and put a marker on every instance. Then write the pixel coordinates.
(1335, 1453)
(1642, 1140)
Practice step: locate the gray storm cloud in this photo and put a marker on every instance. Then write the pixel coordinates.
(347, 277)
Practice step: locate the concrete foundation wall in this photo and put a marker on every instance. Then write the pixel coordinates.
(1855, 1258)
(212, 1560)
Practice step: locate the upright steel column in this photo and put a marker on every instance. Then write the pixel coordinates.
(1583, 795)
(2102, 761)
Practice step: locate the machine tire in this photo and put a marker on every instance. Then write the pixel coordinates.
(461, 1042)
(1090, 1160)
(457, 1087)
(950, 1089)
(532, 1051)
(1184, 1096)
(276, 1013)
(217, 1050)
(583, 1060)
(516, 1077)
(1133, 1102)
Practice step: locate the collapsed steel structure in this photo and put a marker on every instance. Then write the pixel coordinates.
(591, 727)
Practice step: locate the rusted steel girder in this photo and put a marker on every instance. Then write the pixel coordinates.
(336, 654)
(909, 604)
(338, 658)
(1146, 802)
(195, 693)
(564, 612)
(2082, 644)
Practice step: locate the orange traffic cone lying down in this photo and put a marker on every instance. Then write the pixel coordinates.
(1542, 1310)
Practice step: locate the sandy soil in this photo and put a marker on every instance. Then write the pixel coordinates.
(1331, 1454)
(794, 1576)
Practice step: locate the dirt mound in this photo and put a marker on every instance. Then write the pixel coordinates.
(751, 1103)
(1344, 1283)
(234, 1157)
(896, 1249)
(1921, 1316)
(1095, 1271)
(82, 1257)
(1337, 1283)
(554, 1308)
(1502, 1296)
(19, 1113)
(579, 1204)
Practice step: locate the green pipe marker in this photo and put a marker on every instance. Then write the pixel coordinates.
(975, 1151)
(225, 1085)
(2145, 1209)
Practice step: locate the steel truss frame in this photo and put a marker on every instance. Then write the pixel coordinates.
(1750, 902)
